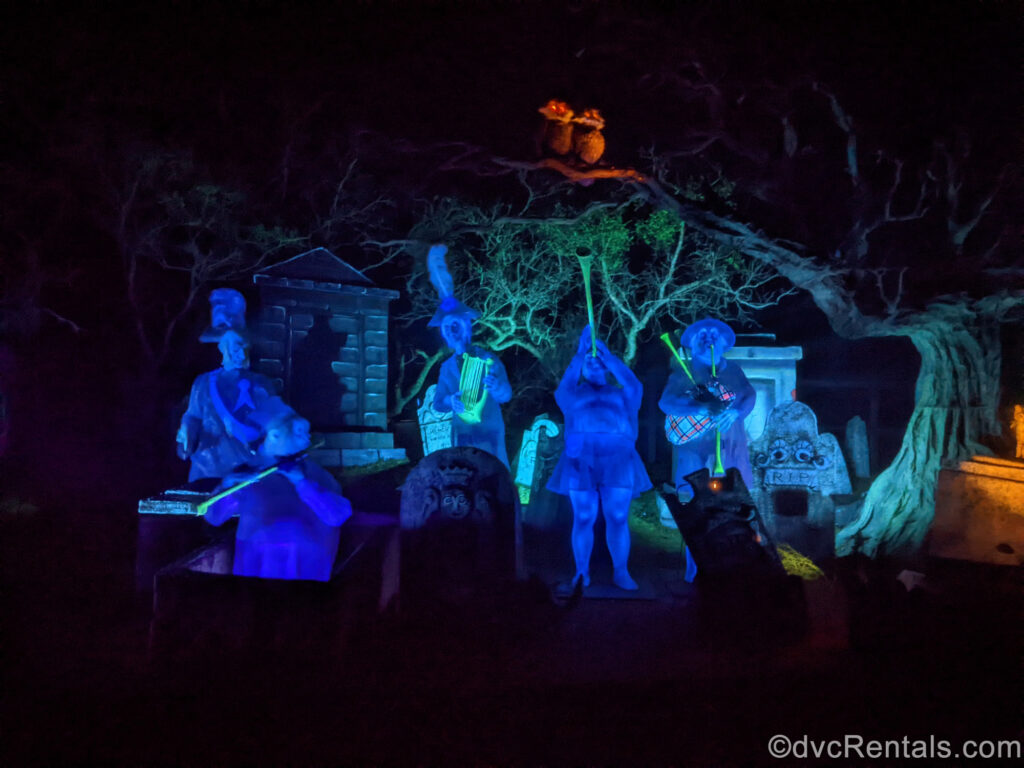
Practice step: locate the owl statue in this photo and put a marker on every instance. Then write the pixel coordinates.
(558, 127)
(588, 141)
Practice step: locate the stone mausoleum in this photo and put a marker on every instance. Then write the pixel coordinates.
(771, 371)
(323, 338)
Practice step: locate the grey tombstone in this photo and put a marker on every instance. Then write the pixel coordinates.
(796, 473)
(771, 371)
(857, 447)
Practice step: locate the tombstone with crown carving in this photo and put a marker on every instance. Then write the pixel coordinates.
(796, 473)
(323, 337)
(461, 528)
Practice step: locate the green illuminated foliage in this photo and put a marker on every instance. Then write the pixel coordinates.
(660, 230)
(602, 234)
(523, 275)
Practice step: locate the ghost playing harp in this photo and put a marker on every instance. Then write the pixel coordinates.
(472, 383)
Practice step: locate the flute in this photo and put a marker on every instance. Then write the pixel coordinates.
(204, 506)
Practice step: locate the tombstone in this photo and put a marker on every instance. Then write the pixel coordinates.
(796, 473)
(435, 426)
(857, 447)
(461, 533)
(541, 447)
(544, 509)
(527, 459)
(323, 338)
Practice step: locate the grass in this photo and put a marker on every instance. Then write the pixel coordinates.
(646, 528)
(376, 467)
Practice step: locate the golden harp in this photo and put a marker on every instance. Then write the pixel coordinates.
(471, 386)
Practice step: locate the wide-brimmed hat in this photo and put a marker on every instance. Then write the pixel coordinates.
(451, 306)
(725, 333)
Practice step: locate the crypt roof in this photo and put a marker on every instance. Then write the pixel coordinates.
(319, 265)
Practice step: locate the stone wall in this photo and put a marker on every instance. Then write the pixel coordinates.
(325, 345)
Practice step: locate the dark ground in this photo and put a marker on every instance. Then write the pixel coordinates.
(626, 681)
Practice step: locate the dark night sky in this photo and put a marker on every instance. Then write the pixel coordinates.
(476, 72)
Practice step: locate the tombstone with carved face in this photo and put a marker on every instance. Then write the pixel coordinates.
(796, 473)
(460, 525)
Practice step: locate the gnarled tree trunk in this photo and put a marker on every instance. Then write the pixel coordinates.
(955, 405)
(957, 388)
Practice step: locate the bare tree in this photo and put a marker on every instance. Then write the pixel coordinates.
(886, 242)
(165, 217)
(522, 273)
(859, 273)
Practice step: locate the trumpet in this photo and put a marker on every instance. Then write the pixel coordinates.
(586, 262)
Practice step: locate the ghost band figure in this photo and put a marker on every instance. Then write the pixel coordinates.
(289, 519)
(217, 427)
(600, 468)
(455, 320)
(718, 399)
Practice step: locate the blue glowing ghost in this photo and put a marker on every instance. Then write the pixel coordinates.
(600, 466)
(218, 426)
(289, 519)
(697, 415)
(488, 432)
